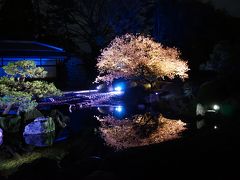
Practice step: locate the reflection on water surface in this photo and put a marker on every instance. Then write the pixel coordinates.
(104, 126)
(139, 130)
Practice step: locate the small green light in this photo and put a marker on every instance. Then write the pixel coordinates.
(216, 107)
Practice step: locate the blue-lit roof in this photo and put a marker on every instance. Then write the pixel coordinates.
(29, 49)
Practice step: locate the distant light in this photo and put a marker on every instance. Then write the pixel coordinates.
(98, 87)
(118, 88)
(156, 93)
(215, 127)
(147, 86)
(216, 107)
(98, 108)
(119, 109)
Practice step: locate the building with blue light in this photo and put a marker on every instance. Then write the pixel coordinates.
(44, 55)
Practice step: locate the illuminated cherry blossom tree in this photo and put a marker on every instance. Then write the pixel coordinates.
(141, 58)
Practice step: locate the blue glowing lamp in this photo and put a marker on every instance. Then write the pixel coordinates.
(118, 88)
(119, 109)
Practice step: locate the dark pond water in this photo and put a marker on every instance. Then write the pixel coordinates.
(115, 142)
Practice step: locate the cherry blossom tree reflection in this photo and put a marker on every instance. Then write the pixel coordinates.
(139, 130)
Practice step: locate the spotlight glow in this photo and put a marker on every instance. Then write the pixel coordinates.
(216, 107)
(119, 109)
(118, 88)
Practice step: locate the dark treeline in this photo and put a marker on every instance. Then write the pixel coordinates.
(86, 26)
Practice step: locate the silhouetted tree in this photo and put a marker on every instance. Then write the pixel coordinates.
(17, 19)
(224, 58)
(86, 26)
(92, 24)
(191, 26)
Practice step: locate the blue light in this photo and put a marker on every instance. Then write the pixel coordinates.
(49, 46)
(46, 61)
(119, 109)
(118, 88)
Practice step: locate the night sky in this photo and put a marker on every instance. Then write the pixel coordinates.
(231, 6)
